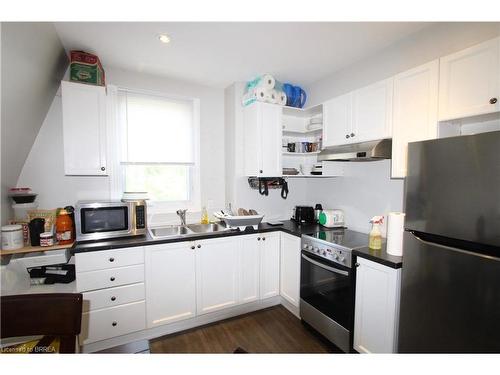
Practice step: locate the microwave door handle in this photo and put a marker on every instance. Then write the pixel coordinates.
(345, 273)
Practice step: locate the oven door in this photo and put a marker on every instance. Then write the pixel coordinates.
(326, 298)
(104, 221)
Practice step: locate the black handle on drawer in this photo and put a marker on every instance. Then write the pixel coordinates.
(114, 324)
(113, 298)
(111, 259)
(112, 278)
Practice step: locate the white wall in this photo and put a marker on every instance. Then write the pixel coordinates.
(44, 173)
(33, 61)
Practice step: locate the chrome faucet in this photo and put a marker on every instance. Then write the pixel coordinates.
(182, 215)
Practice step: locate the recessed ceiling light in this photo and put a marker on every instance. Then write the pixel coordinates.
(164, 38)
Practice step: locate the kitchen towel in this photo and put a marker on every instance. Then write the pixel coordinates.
(395, 228)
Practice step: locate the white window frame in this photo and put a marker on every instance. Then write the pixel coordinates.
(115, 144)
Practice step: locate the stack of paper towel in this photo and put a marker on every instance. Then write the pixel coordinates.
(264, 89)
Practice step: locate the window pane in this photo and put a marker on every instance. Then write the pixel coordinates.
(162, 182)
(158, 129)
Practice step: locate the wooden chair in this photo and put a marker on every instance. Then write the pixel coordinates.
(51, 315)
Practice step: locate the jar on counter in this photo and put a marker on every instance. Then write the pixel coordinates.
(64, 228)
(46, 239)
(12, 237)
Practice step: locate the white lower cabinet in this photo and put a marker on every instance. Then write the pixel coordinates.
(290, 268)
(269, 265)
(376, 307)
(249, 269)
(217, 265)
(170, 283)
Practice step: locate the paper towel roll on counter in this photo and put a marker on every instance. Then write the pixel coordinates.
(395, 229)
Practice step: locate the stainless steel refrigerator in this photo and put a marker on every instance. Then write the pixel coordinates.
(450, 295)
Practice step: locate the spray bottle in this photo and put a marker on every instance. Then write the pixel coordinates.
(375, 240)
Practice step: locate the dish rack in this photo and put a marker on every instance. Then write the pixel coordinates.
(240, 222)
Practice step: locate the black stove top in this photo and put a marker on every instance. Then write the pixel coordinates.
(345, 238)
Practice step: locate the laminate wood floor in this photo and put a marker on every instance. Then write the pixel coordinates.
(273, 330)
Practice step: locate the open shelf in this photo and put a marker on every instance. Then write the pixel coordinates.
(308, 176)
(301, 132)
(301, 153)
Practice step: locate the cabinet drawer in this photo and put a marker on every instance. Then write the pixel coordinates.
(109, 278)
(99, 260)
(100, 299)
(114, 321)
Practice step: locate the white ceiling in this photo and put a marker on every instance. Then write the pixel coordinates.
(217, 54)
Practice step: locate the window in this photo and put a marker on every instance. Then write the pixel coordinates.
(158, 148)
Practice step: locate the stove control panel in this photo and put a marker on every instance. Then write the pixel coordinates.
(341, 256)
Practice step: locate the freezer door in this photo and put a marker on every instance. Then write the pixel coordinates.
(450, 300)
(453, 188)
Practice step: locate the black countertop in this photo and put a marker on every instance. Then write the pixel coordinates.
(380, 256)
(288, 226)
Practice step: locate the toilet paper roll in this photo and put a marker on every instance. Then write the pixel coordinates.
(267, 81)
(395, 228)
(262, 94)
(280, 98)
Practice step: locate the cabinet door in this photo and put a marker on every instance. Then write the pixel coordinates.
(170, 283)
(337, 120)
(271, 138)
(469, 81)
(249, 269)
(414, 111)
(216, 274)
(84, 129)
(372, 112)
(269, 265)
(251, 137)
(290, 268)
(376, 308)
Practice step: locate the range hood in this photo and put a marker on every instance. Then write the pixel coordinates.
(364, 151)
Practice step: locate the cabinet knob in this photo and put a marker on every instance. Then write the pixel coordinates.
(263, 238)
(356, 264)
(493, 100)
(352, 134)
(192, 247)
(111, 259)
(260, 171)
(112, 278)
(347, 136)
(198, 246)
(258, 238)
(103, 169)
(113, 298)
(114, 324)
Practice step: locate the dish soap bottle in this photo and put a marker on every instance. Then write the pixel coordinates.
(204, 216)
(375, 239)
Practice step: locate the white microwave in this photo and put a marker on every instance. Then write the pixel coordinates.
(96, 220)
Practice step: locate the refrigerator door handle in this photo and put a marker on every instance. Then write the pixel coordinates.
(454, 248)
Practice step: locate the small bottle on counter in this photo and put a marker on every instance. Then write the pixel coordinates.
(204, 216)
(64, 228)
(375, 237)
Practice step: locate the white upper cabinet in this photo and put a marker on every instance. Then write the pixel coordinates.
(170, 283)
(469, 81)
(415, 107)
(337, 120)
(359, 116)
(376, 307)
(263, 124)
(269, 265)
(372, 112)
(290, 268)
(84, 129)
(217, 266)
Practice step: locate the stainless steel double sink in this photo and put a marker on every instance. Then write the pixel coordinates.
(190, 230)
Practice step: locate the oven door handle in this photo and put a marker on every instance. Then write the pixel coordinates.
(345, 273)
